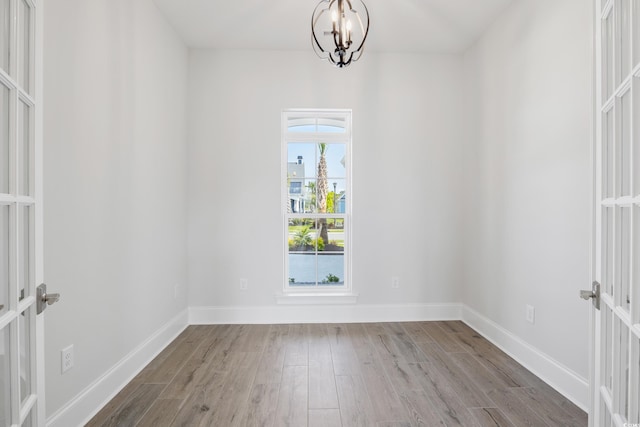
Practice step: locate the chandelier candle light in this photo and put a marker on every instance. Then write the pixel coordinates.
(341, 45)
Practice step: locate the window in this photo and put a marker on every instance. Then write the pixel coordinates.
(316, 185)
(295, 187)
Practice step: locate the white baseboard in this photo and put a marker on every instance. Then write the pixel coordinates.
(337, 313)
(79, 410)
(564, 380)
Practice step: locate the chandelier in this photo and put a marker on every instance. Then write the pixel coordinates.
(338, 31)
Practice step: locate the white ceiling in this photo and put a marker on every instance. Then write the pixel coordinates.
(396, 25)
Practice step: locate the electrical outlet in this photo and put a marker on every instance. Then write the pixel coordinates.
(66, 355)
(176, 291)
(395, 282)
(531, 314)
(243, 284)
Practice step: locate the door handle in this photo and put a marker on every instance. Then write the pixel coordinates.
(585, 295)
(43, 298)
(51, 298)
(593, 294)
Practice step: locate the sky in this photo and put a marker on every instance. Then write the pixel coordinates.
(311, 155)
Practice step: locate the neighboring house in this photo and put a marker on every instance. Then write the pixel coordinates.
(340, 204)
(300, 196)
(297, 189)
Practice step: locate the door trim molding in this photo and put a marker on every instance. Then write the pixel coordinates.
(84, 406)
(564, 380)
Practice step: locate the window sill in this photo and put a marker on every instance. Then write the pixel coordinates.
(324, 298)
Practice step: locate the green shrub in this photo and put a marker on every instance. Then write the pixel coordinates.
(302, 238)
(320, 244)
(331, 279)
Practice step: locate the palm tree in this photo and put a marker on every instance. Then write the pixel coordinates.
(322, 191)
(311, 187)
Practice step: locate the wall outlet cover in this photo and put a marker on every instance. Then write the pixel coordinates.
(531, 314)
(67, 359)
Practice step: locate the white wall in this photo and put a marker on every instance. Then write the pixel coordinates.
(407, 177)
(115, 175)
(529, 142)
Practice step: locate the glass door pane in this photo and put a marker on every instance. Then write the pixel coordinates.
(607, 352)
(24, 45)
(608, 156)
(4, 259)
(5, 115)
(24, 149)
(636, 131)
(623, 145)
(24, 345)
(623, 267)
(25, 242)
(623, 370)
(623, 38)
(5, 20)
(607, 250)
(607, 56)
(5, 378)
(635, 25)
(610, 251)
(635, 264)
(635, 416)
(606, 418)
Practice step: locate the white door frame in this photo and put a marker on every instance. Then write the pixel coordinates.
(38, 81)
(615, 361)
(22, 202)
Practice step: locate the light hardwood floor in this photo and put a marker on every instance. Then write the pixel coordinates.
(374, 374)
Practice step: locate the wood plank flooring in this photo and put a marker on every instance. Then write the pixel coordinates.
(369, 375)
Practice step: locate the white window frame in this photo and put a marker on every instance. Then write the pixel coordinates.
(317, 294)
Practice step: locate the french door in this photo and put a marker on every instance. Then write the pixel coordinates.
(21, 388)
(616, 375)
